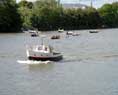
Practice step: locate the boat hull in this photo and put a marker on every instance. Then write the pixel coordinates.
(93, 31)
(57, 58)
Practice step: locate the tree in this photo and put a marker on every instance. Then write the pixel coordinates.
(46, 14)
(25, 3)
(93, 19)
(10, 20)
(115, 13)
(25, 9)
(109, 14)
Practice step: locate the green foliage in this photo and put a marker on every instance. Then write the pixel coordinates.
(115, 14)
(80, 19)
(50, 15)
(25, 9)
(109, 14)
(46, 15)
(93, 19)
(25, 3)
(9, 17)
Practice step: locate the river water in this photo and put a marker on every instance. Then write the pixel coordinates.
(89, 67)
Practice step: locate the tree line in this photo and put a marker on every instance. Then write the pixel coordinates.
(50, 15)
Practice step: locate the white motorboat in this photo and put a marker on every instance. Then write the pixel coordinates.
(60, 30)
(93, 31)
(43, 53)
(33, 33)
(69, 33)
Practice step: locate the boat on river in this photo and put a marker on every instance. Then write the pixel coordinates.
(69, 33)
(55, 37)
(93, 31)
(43, 53)
(75, 34)
(33, 33)
(60, 30)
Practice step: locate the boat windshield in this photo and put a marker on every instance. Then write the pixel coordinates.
(44, 48)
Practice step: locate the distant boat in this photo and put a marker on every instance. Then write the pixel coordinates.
(60, 30)
(75, 34)
(69, 33)
(33, 33)
(93, 31)
(55, 37)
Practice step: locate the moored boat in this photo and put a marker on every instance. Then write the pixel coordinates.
(93, 31)
(55, 37)
(33, 33)
(60, 30)
(69, 33)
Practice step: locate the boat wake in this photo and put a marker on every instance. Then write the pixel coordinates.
(31, 62)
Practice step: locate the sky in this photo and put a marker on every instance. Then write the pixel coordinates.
(96, 3)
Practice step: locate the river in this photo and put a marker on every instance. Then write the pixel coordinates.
(89, 67)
